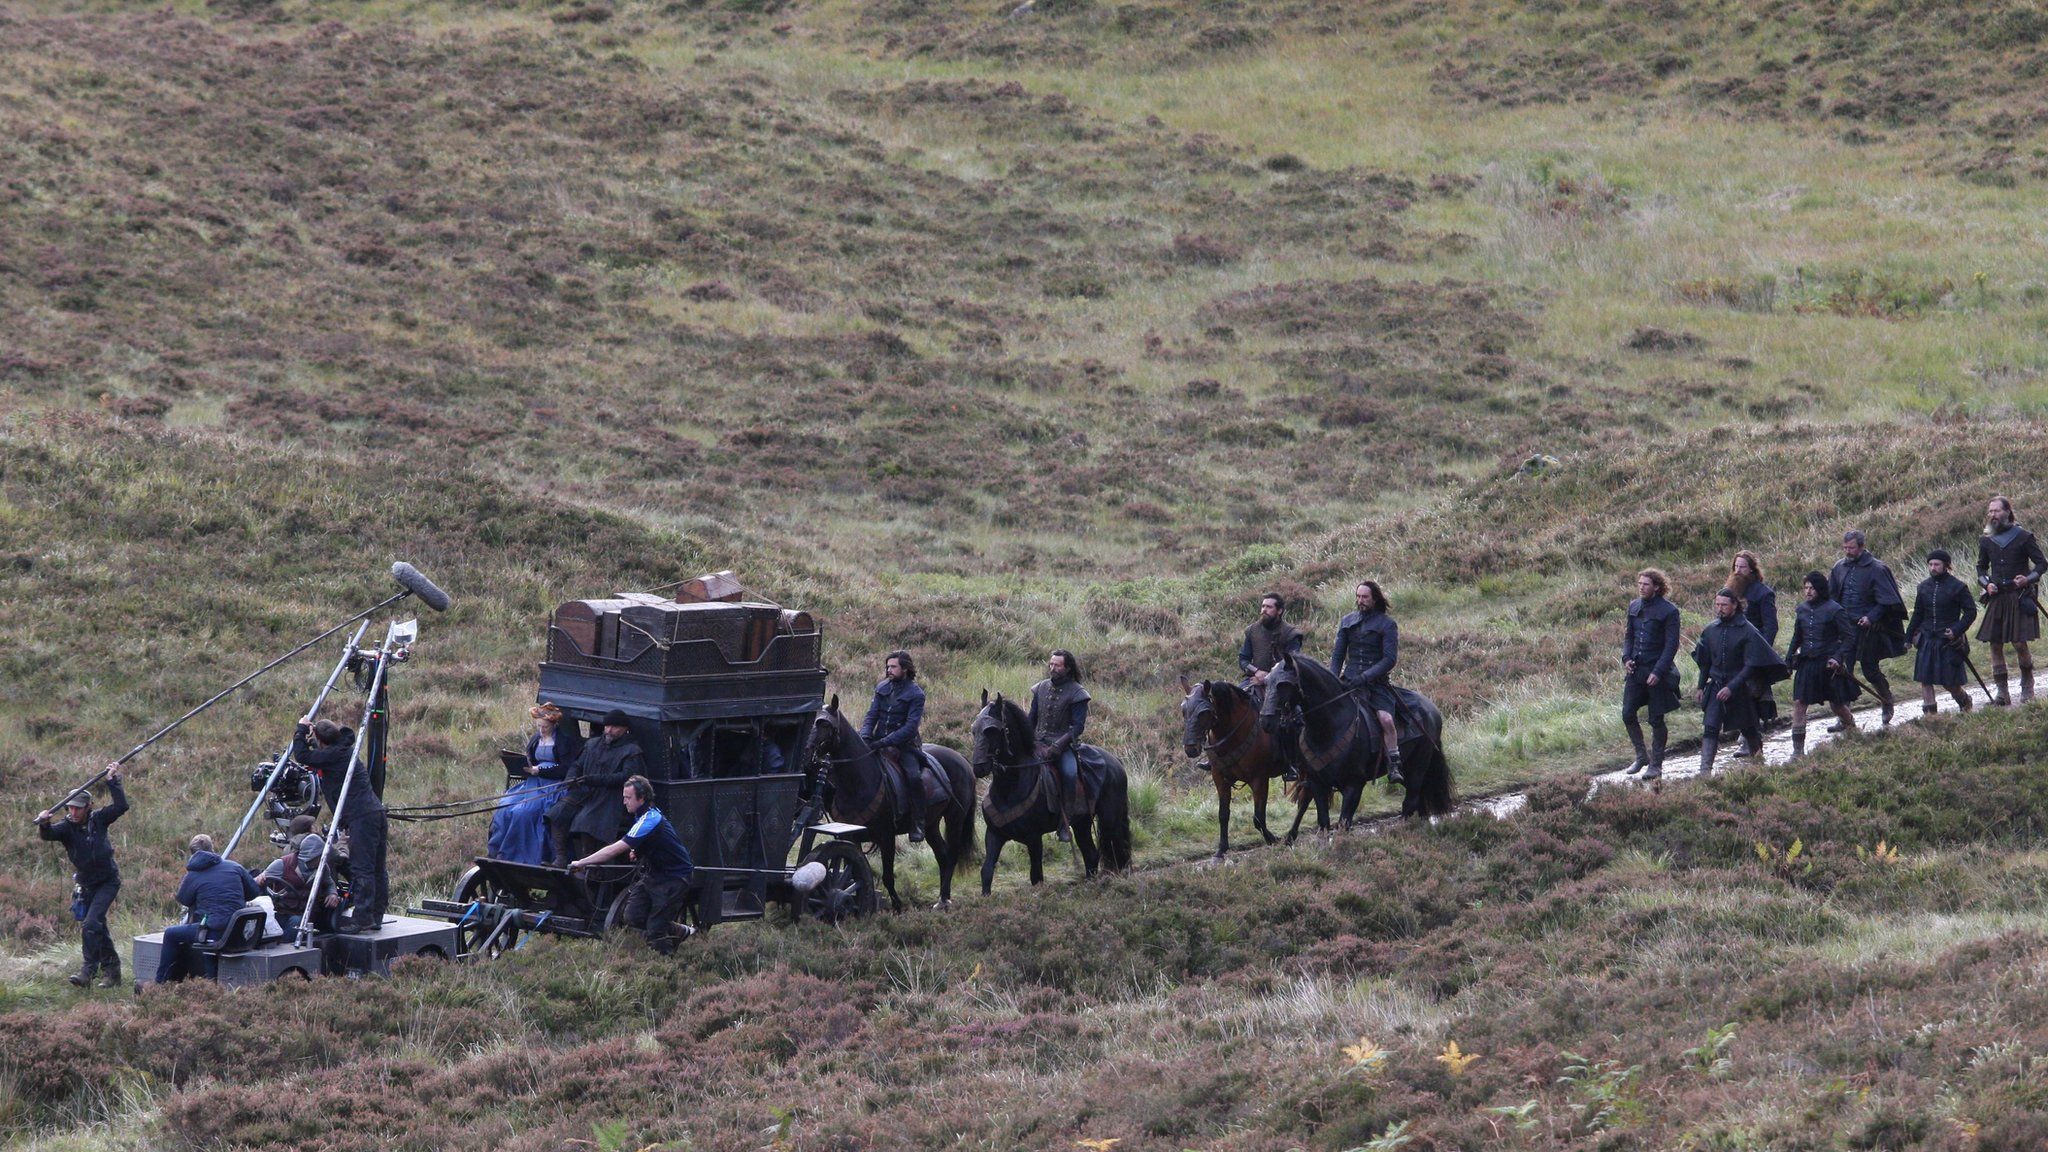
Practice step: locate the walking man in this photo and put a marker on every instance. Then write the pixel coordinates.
(1942, 611)
(1821, 643)
(1760, 607)
(1869, 595)
(1649, 658)
(1735, 662)
(83, 833)
(2009, 565)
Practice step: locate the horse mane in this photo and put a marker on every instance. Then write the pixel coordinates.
(1311, 672)
(1228, 689)
(1016, 719)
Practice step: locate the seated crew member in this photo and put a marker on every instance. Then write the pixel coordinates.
(288, 880)
(519, 826)
(1368, 647)
(1059, 714)
(1943, 610)
(590, 804)
(215, 888)
(891, 729)
(328, 749)
(83, 832)
(658, 897)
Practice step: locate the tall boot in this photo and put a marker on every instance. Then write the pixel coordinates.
(558, 844)
(1635, 738)
(1394, 765)
(1659, 735)
(913, 797)
(1753, 743)
(2026, 683)
(1798, 741)
(1708, 747)
(1999, 695)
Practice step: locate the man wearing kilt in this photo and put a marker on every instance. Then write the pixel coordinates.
(1760, 606)
(1821, 645)
(1735, 664)
(2009, 564)
(1942, 612)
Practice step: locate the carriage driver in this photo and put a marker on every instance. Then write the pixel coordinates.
(891, 730)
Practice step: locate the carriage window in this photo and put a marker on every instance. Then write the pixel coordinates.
(782, 746)
(686, 752)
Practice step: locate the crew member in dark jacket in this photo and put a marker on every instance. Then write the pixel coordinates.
(1059, 714)
(1760, 607)
(83, 832)
(659, 895)
(590, 806)
(1649, 658)
(2009, 566)
(328, 749)
(1943, 610)
(1368, 647)
(1869, 596)
(215, 888)
(288, 880)
(1734, 661)
(891, 729)
(1822, 640)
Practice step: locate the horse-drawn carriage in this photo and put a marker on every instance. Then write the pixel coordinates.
(722, 697)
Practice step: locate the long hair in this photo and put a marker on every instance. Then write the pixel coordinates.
(1658, 578)
(903, 658)
(1073, 665)
(1740, 581)
(1379, 598)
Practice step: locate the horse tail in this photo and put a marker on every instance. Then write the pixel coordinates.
(959, 822)
(1113, 819)
(1436, 776)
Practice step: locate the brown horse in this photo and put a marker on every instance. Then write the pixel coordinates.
(1219, 718)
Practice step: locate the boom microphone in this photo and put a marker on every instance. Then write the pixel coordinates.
(412, 581)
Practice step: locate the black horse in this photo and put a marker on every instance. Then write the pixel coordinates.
(1340, 748)
(1018, 807)
(854, 774)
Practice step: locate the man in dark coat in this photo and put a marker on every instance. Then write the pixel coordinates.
(1059, 714)
(1649, 658)
(215, 888)
(1265, 642)
(590, 804)
(1368, 647)
(1735, 661)
(1760, 608)
(1822, 639)
(2009, 566)
(1868, 594)
(891, 729)
(329, 749)
(659, 895)
(1942, 611)
(83, 833)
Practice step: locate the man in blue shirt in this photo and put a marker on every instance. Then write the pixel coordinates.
(215, 888)
(891, 729)
(660, 891)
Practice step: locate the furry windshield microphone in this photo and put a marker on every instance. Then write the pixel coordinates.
(410, 578)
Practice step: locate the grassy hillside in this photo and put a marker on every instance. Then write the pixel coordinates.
(985, 331)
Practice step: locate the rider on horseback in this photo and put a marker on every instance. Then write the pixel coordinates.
(891, 730)
(1368, 646)
(1264, 644)
(1059, 711)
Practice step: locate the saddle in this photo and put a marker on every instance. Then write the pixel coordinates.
(1091, 770)
(927, 776)
(1408, 718)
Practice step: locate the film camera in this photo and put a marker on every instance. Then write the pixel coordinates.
(295, 792)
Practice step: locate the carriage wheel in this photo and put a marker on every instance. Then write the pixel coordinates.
(471, 934)
(848, 890)
(615, 914)
(474, 885)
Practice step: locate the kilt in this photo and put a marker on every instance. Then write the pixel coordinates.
(1938, 663)
(1379, 696)
(1813, 683)
(2007, 620)
(1737, 712)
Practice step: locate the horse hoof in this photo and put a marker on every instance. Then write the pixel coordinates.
(942, 905)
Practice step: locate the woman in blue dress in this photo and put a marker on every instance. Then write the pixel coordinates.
(519, 828)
